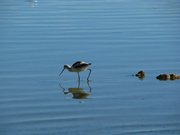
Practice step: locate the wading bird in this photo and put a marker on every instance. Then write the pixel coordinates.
(77, 67)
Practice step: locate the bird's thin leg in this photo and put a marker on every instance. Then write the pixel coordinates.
(89, 86)
(78, 77)
(89, 74)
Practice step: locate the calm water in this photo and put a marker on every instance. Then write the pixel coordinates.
(119, 38)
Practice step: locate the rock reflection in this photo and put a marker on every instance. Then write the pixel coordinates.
(77, 92)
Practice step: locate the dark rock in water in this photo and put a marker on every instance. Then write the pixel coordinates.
(165, 77)
(141, 74)
(173, 77)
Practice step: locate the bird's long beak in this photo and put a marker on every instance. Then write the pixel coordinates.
(61, 71)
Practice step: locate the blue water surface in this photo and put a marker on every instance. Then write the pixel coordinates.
(119, 38)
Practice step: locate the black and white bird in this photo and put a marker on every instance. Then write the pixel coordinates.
(77, 67)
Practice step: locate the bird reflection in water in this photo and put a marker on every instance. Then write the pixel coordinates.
(77, 93)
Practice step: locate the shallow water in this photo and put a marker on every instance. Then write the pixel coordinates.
(119, 38)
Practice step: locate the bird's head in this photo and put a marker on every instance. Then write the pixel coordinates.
(66, 66)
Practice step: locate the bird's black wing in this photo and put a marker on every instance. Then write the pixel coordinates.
(77, 64)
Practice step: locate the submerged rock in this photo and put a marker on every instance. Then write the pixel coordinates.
(168, 77)
(140, 74)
